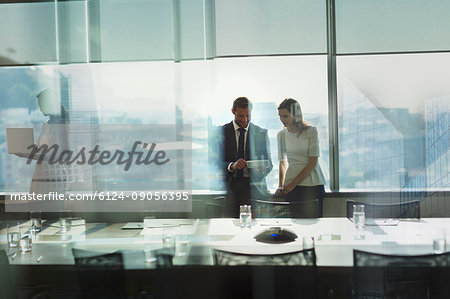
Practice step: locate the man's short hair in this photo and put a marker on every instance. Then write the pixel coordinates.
(242, 102)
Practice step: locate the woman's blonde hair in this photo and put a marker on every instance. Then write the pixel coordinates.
(294, 108)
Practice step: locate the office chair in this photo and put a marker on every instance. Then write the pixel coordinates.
(164, 257)
(7, 289)
(285, 209)
(400, 276)
(213, 209)
(100, 275)
(305, 257)
(410, 209)
(267, 276)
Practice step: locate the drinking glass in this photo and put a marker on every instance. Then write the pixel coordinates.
(359, 217)
(65, 221)
(245, 216)
(150, 259)
(13, 235)
(25, 244)
(168, 238)
(308, 242)
(439, 241)
(149, 216)
(35, 222)
(182, 245)
(25, 241)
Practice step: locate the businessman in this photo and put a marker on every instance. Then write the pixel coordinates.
(243, 141)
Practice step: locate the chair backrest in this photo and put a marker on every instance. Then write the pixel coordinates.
(305, 257)
(100, 275)
(164, 257)
(266, 276)
(7, 288)
(213, 209)
(285, 209)
(399, 276)
(410, 209)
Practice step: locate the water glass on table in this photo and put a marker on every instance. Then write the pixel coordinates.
(308, 242)
(65, 221)
(13, 235)
(182, 245)
(245, 216)
(359, 219)
(35, 222)
(168, 238)
(439, 240)
(25, 241)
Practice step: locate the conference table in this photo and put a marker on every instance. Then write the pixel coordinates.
(334, 238)
(334, 241)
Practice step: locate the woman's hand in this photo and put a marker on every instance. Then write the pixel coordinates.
(288, 188)
(279, 192)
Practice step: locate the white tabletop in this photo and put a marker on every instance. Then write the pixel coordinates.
(334, 239)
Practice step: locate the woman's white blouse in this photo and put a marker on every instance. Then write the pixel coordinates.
(297, 150)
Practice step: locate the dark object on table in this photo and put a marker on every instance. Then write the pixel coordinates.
(276, 235)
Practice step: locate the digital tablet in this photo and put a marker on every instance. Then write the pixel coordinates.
(257, 163)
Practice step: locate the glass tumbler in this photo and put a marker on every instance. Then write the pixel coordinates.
(245, 216)
(13, 235)
(359, 217)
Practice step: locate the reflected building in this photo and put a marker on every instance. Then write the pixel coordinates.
(437, 155)
(393, 150)
(372, 155)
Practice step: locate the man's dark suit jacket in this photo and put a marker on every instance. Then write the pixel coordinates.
(257, 148)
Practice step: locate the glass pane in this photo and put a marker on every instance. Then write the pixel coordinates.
(365, 26)
(128, 93)
(151, 30)
(145, 32)
(72, 31)
(191, 35)
(208, 89)
(19, 87)
(27, 33)
(393, 122)
(199, 93)
(252, 27)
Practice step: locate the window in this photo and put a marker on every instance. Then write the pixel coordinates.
(28, 33)
(391, 104)
(184, 62)
(384, 26)
(393, 111)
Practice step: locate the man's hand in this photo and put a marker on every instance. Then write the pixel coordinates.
(239, 164)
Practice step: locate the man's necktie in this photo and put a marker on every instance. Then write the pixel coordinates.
(240, 172)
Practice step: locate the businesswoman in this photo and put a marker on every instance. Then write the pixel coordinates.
(51, 177)
(298, 146)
